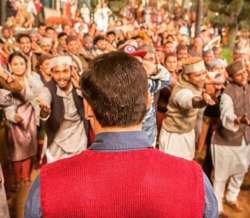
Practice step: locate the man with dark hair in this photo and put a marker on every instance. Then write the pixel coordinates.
(62, 45)
(66, 127)
(120, 175)
(88, 47)
(75, 50)
(25, 43)
(111, 37)
(6, 33)
(51, 33)
(33, 54)
(101, 45)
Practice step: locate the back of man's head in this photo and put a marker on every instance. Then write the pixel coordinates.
(115, 86)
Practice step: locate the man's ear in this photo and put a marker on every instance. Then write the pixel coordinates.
(148, 103)
(89, 114)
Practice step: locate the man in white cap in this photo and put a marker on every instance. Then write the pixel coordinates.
(177, 135)
(66, 127)
(231, 150)
(46, 44)
(214, 87)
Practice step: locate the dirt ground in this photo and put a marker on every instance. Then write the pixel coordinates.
(244, 200)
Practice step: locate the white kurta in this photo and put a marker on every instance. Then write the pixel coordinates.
(71, 137)
(101, 18)
(229, 161)
(179, 144)
(85, 13)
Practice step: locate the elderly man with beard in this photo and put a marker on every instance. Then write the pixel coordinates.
(66, 127)
(231, 140)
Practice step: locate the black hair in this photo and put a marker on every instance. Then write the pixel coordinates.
(110, 33)
(23, 35)
(115, 86)
(98, 38)
(49, 28)
(61, 34)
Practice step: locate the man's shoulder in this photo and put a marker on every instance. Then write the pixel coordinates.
(60, 165)
(157, 162)
(176, 162)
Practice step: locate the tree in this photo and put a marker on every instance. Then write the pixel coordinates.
(2, 11)
(199, 16)
(117, 5)
(233, 14)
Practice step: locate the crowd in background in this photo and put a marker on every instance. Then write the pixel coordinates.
(162, 40)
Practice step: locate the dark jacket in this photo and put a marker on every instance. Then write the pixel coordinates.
(57, 111)
(241, 102)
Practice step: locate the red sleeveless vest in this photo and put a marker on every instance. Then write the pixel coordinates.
(133, 184)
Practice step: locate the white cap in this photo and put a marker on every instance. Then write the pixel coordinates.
(60, 60)
(194, 67)
(215, 77)
(45, 41)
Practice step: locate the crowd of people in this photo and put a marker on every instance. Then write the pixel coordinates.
(197, 99)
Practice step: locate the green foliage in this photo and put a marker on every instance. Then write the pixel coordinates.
(230, 12)
(115, 5)
(227, 54)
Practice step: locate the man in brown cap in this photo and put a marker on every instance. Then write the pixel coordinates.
(230, 150)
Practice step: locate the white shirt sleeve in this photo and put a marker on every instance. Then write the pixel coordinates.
(227, 113)
(10, 113)
(31, 8)
(184, 98)
(162, 75)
